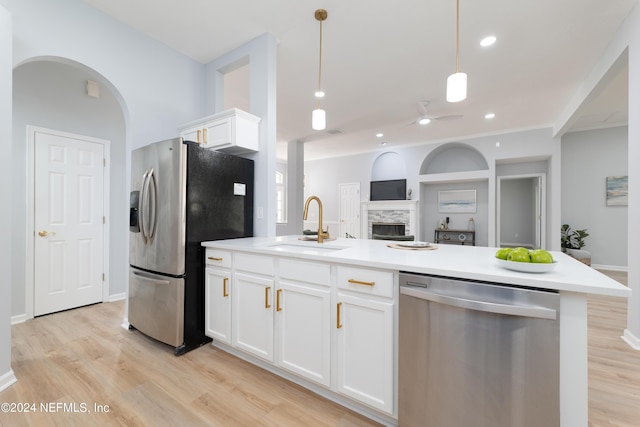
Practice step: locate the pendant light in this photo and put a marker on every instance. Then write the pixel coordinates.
(319, 116)
(457, 82)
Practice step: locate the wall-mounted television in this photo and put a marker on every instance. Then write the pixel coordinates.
(394, 189)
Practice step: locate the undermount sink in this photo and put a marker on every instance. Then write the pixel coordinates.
(305, 248)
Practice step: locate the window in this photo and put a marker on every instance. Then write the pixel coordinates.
(281, 198)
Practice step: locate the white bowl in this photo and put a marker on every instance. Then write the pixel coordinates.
(413, 244)
(527, 267)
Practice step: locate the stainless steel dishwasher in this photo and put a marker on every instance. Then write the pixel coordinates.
(477, 354)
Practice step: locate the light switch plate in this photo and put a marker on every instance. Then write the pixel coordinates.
(239, 189)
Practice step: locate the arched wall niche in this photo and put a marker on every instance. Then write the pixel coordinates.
(453, 157)
(387, 166)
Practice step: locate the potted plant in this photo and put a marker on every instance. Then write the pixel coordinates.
(572, 242)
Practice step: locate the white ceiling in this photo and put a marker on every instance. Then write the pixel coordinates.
(381, 57)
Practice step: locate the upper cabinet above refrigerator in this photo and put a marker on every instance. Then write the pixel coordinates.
(233, 131)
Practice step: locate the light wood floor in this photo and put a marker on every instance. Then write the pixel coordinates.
(83, 356)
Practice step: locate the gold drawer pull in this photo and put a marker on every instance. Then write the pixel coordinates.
(266, 297)
(358, 282)
(225, 289)
(212, 258)
(204, 135)
(338, 322)
(199, 136)
(278, 306)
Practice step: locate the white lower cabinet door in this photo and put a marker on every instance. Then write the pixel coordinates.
(303, 319)
(218, 304)
(365, 350)
(252, 314)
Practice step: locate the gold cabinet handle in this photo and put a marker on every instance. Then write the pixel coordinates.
(358, 282)
(338, 322)
(204, 135)
(212, 258)
(225, 289)
(266, 297)
(199, 136)
(278, 306)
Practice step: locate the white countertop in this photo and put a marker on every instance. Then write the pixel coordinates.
(468, 262)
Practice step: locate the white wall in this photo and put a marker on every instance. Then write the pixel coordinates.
(53, 95)
(587, 159)
(6, 374)
(631, 32)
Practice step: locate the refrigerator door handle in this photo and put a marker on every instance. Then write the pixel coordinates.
(141, 208)
(153, 205)
(141, 276)
(148, 207)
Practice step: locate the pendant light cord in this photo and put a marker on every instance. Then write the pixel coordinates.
(457, 34)
(320, 62)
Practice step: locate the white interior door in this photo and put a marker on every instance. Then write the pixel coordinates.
(68, 222)
(350, 210)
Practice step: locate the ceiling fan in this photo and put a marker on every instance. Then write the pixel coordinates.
(424, 118)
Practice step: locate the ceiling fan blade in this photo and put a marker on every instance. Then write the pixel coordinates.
(447, 117)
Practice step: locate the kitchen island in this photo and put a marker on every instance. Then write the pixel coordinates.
(339, 276)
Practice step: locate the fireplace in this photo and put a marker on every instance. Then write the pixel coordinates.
(404, 212)
(388, 228)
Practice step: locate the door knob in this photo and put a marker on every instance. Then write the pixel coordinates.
(44, 233)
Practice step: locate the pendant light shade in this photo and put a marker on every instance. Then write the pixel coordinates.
(319, 116)
(457, 82)
(456, 87)
(318, 119)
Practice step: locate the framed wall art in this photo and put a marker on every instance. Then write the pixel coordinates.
(457, 201)
(617, 190)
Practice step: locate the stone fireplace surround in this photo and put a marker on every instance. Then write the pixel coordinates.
(391, 211)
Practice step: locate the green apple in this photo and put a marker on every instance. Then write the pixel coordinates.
(541, 256)
(521, 249)
(502, 253)
(519, 256)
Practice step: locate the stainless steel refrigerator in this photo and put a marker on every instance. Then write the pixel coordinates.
(181, 196)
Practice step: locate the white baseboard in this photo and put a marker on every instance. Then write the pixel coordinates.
(7, 379)
(20, 318)
(117, 297)
(631, 339)
(610, 267)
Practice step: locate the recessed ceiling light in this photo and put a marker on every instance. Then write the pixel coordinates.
(489, 116)
(319, 94)
(424, 121)
(379, 135)
(488, 41)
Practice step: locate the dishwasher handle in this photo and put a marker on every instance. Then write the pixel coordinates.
(486, 306)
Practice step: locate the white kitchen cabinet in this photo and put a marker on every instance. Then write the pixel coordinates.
(303, 316)
(252, 314)
(233, 131)
(365, 335)
(329, 325)
(218, 304)
(365, 351)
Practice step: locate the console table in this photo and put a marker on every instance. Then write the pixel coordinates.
(458, 237)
